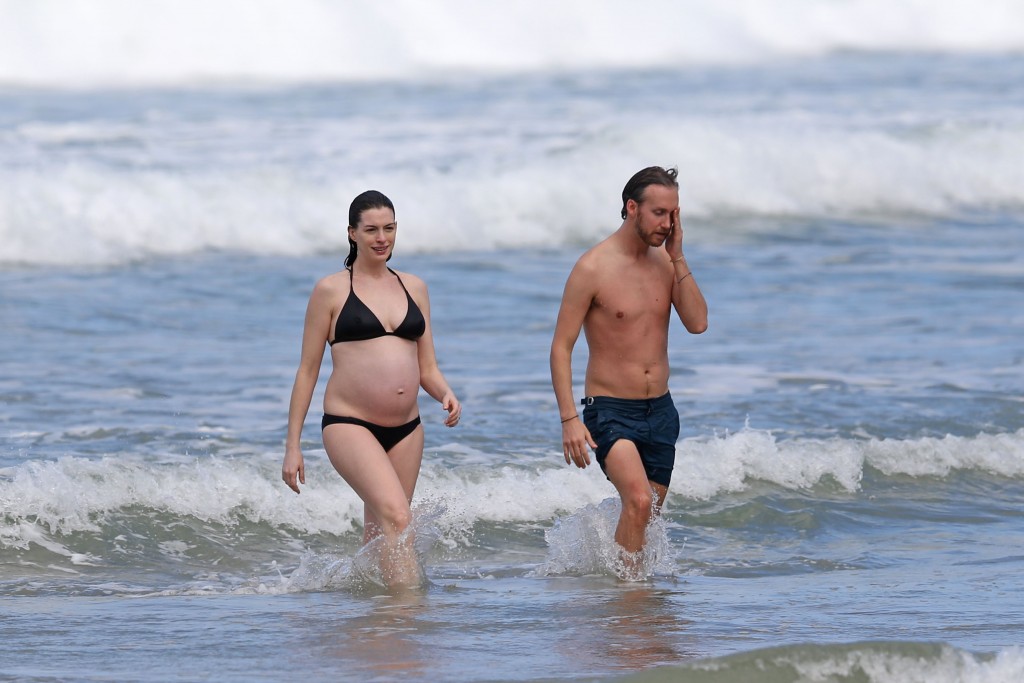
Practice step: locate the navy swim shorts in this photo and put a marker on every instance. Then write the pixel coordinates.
(651, 424)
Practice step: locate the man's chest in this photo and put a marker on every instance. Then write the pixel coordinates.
(629, 299)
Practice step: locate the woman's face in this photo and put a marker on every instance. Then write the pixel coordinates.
(375, 234)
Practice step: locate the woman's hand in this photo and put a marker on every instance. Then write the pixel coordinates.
(454, 408)
(293, 471)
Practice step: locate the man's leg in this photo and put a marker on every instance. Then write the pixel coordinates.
(660, 491)
(626, 472)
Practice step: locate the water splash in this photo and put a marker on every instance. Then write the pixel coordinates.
(367, 571)
(584, 543)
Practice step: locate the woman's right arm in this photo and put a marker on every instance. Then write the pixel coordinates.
(314, 337)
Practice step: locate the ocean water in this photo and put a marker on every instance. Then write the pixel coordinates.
(846, 504)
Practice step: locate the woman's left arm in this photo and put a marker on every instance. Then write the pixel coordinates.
(431, 378)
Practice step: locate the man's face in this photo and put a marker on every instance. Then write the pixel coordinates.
(654, 214)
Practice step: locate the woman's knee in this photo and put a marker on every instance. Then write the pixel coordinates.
(394, 517)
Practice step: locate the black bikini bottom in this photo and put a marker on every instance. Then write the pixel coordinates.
(387, 437)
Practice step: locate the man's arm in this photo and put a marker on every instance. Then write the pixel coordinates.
(575, 303)
(687, 298)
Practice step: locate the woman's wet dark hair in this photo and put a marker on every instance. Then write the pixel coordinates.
(371, 199)
(652, 175)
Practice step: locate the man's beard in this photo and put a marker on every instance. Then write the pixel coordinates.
(646, 237)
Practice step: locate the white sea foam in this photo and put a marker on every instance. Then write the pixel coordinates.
(75, 494)
(711, 466)
(86, 213)
(120, 42)
(884, 667)
(873, 662)
(45, 500)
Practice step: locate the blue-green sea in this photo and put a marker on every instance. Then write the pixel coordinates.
(846, 501)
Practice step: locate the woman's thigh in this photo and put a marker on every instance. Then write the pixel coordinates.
(406, 457)
(363, 464)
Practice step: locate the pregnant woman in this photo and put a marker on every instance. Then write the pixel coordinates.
(377, 323)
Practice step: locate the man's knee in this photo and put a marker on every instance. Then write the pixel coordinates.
(637, 499)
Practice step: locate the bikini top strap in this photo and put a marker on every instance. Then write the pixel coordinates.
(400, 282)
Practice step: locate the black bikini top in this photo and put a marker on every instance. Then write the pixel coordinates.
(357, 322)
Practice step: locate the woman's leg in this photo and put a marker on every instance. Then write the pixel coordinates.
(382, 485)
(405, 457)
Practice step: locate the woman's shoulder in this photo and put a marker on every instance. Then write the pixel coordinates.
(411, 282)
(335, 283)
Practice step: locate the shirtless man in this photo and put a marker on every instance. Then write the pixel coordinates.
(621, 293)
